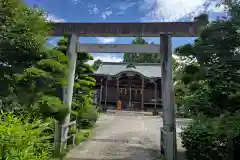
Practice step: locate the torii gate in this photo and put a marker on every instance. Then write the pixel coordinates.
(164, 30)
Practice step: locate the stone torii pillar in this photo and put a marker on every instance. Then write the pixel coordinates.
(61, 133)
(168, 132)
(72, 56)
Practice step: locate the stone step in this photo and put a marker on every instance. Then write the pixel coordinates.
(130, 113)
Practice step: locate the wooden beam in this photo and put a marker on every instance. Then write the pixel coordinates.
(153, 29)
(118, 48)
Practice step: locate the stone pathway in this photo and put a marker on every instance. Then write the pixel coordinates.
(122, 138)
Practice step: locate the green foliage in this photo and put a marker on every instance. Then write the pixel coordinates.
(141, 58)
(82, 135)
(29, 70)
(52, 107)
(209, 88)
(32, 78)
(96, 64)
(87, 117)
(72, 130)
(208, 139)
(40, 83)
(214, 74)
(21, 140)
(82, 106)
(21, 42)
(79, 138)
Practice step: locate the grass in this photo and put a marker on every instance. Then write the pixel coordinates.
(101, 113)
(83, 135)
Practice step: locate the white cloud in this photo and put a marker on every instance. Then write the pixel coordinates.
(106, 57)
(76, 1)
(106, 14)
(53, 18)
(123, 6)
(126, 5)
(173, 10)
(105, 40)
(92, 8)
(120, 13)
(213, 7)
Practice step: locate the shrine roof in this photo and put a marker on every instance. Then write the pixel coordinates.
(149, 70)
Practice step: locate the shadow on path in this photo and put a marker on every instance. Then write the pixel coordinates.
(137, 153)
(181, 155)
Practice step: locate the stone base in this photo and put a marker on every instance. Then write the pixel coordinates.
(155, 113)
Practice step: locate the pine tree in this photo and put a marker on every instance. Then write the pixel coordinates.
(96, 64)
(37, 86)
(82, 98)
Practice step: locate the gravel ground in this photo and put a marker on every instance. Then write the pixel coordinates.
(124, 138)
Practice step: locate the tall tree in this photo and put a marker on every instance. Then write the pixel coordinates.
(141, 58)
(29, 70)
(212, 79)
(213, 75)
(21, 43)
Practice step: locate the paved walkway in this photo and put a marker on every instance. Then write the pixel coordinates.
(123, 138)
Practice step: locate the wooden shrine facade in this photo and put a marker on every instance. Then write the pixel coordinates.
(132, 84)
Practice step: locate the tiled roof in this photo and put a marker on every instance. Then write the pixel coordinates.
(150, 70)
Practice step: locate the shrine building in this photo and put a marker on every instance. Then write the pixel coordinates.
(136, 85)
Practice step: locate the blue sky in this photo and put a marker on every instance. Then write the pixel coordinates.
(125, 11)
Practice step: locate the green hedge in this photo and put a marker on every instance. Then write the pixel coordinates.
(208, 139)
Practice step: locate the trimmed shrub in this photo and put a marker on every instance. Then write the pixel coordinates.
(79, 138)
(88, 117)
(197, 140)
(207, 139)
(82, 136)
